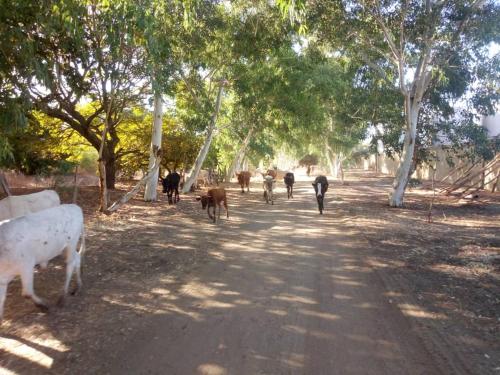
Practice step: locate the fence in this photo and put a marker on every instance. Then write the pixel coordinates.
(389, 166)
(19, 180)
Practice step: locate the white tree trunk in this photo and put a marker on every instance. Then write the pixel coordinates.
(244, 163)
(402, 175)
(150, 193)
(206, 146)
(334, 161)
(239, 156)
(338, 166)
(126, 197)
(331, 163)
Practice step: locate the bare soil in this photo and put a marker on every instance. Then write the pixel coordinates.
(363, 289)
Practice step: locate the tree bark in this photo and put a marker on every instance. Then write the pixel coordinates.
(331, 166)
(110, 163)
(75, 185)
(5, 185)
(102, 172)
(403, 173)
(338, 166)
(239, 155)
(206, 146)
(150, 193)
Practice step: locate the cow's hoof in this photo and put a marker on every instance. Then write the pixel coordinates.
(61, 301)
(43, 307)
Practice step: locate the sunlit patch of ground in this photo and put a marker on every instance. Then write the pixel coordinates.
(451, 266)
(137, 261)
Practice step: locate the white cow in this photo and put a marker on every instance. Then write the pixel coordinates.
(19, 205)
(35, 239)
(268, 189)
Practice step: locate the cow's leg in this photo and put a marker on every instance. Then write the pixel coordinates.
(320, 205)
(225, 206)
(28, 292)
(219, 205)
(3, 293)
(78, 267)
(177, 199)
(248, 187)
(72, 263)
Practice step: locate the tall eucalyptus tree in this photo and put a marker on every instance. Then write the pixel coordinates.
(413, 46)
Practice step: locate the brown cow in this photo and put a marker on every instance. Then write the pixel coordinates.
(214, 197)
(244, 180)
(272, 172)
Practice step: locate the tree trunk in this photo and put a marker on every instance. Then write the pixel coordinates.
(338, 166)
(239, 155)
(75, 185)
(403, 173)
(150, 193)
(4, 184)
(342, 175)
(206, 146)
(126, 197)
(110, 172)
(103, 183)
(331, 163)
(483, 176)
(244, 163)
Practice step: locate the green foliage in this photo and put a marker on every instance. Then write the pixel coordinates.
(65, 64)
(88, 161)
(180, 147)
(458, 36)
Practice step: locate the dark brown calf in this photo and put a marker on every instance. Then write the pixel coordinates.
(244, 180)
(214, 197)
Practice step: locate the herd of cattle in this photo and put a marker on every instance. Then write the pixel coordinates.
(35, 228)
(217, 197)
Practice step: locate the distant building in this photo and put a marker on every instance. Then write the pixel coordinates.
(492, 124)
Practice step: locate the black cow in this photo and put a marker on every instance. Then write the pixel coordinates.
(171, 186)
(289, 181)
(320, 187)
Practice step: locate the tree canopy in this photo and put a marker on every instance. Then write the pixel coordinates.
(307, 77)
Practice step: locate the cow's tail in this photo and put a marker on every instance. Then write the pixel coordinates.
(82, 242)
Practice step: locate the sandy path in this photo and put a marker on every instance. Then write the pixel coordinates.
(285, 291)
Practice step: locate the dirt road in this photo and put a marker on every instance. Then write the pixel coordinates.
(363, 289)
(285, 291)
